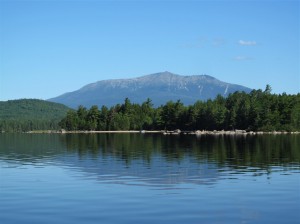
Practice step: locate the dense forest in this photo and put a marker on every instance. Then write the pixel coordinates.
(30, 114)
(257, 111)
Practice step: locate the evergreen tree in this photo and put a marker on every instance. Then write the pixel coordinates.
(82, 118)
(103, 119)
(93, 118)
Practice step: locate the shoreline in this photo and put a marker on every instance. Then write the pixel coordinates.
(167, 132)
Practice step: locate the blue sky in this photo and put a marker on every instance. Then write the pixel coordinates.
(48, 48)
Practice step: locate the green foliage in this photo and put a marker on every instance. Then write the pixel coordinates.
(256, 111)
(171, 115)
(30, 114)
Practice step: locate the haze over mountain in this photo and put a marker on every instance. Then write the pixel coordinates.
(159, 87)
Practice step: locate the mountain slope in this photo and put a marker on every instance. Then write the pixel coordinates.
(30, 114)
(159, 87)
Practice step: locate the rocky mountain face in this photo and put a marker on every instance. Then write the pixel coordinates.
(159, 87)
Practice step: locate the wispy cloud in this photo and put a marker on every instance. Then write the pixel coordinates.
(242, 58)
(247, 43)
(217, 42)
(197, 43)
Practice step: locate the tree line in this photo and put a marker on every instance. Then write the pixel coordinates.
(255, 111)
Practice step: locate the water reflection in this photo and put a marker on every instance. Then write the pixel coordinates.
(153, 158)
(259, 151)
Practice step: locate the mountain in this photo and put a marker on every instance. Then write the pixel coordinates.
(159, 87)
(30, 114)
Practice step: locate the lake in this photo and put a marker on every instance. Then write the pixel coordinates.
(149, 178)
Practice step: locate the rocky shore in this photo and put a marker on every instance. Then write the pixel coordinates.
(174, 132)
(241, 132)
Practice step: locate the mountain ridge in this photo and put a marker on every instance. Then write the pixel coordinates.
(159, 87)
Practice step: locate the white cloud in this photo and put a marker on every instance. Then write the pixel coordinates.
(242, 58)
(247, 43)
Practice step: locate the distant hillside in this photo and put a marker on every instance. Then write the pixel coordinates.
(159, 87)
(30, 114)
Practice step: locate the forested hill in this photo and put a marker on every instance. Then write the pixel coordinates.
(30, 114)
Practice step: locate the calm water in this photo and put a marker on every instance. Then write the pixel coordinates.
(136, 178)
